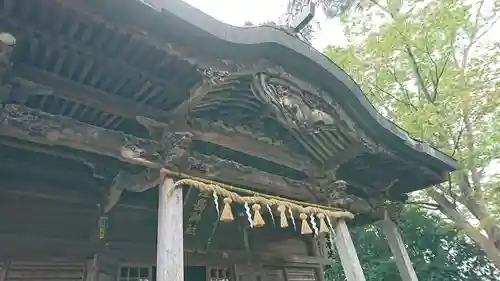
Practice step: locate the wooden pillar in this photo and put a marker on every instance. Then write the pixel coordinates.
(347, 253)
(170, 248)
(398, 249)
(7, 44)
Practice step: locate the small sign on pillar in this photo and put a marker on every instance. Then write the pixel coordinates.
(103, 226)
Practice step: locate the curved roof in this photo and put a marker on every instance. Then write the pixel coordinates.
(189, 25)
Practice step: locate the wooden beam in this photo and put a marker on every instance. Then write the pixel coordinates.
(32, 125)
(231, 172)
(170, 249)
(21, 122)
(196, 94)
(347, 252)
(398, 249)
(248, 144)
(32, 81)
(30, 188)
(93, 161)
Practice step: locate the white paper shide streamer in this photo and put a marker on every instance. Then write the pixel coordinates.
(271, 213)
(313, 223)
(216, 202)
(249, 215)
(332, 233)
(293, 219)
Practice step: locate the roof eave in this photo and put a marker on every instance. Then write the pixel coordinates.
(223, 40)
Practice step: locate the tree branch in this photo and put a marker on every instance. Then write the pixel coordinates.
(418, 74)
(426, 205)
(456, 141)
(395, 98)
(401, 86)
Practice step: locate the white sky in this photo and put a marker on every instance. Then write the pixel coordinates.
(237, 12)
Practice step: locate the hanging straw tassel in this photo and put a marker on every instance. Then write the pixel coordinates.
(258, 221)
(227, 213)
(323, 228)
(306, 229)
(283, 219)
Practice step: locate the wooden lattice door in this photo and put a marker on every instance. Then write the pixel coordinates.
(102, 268)
(218, 274)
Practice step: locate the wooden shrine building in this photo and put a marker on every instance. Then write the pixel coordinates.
(143, 142)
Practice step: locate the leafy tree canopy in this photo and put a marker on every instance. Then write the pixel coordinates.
(433, 67)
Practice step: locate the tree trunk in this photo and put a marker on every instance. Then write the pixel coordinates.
(489, 223)
(481, 240)
(477, 207)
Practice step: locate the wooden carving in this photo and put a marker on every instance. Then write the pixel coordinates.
(172, 147)
(289, 103)
(338, 197)
(283, 109)
(124, 180)
(33, 125)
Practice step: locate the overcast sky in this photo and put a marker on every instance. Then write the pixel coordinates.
(237, 12)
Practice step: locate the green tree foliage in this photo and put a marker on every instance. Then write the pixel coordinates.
(438, 251)
(433, 67)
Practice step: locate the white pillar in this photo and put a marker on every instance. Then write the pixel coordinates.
(347, 253)
(170, 248)
(398, 249)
